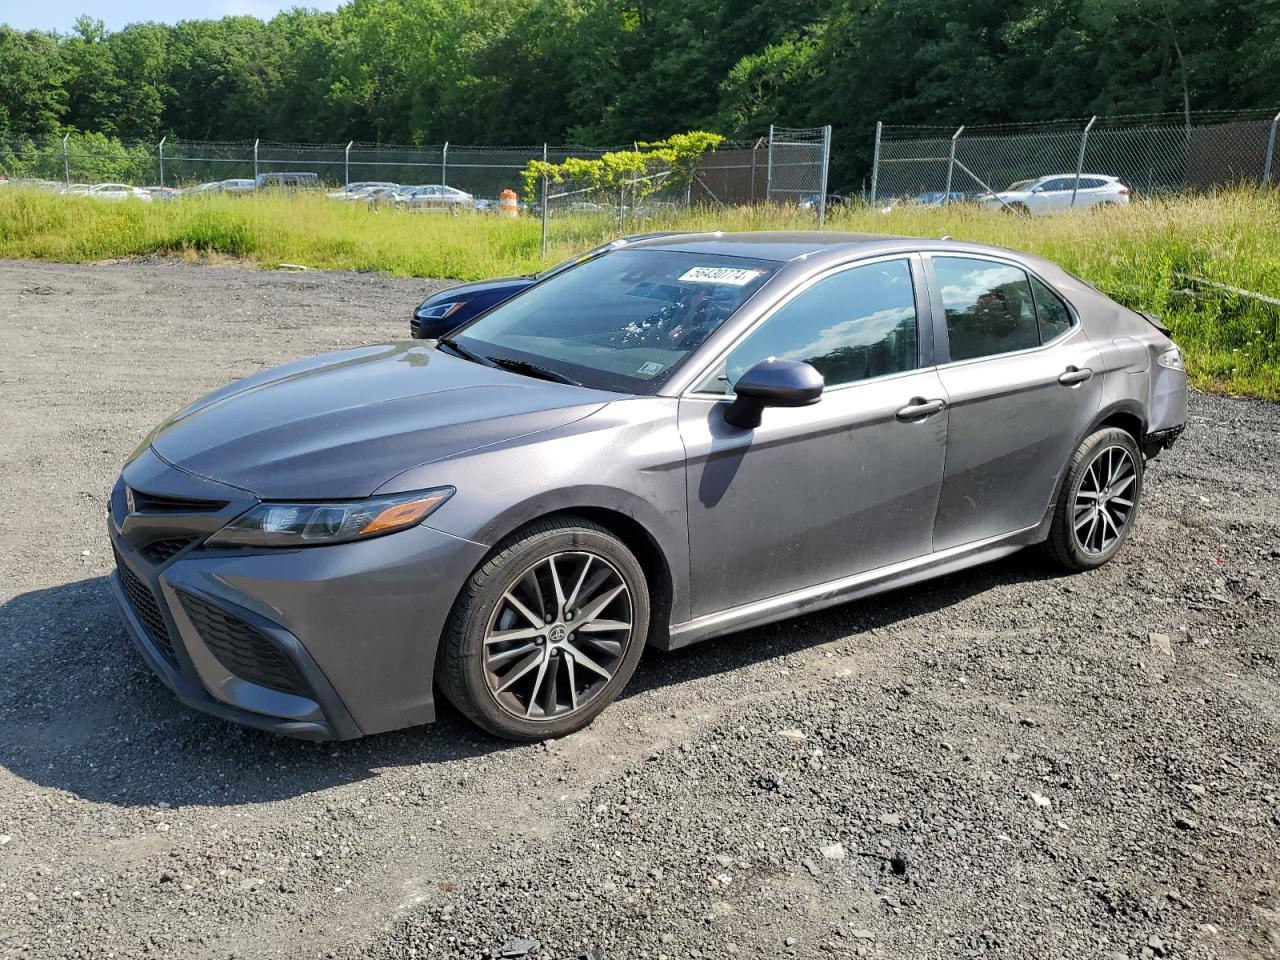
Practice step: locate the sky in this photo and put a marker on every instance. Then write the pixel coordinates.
(61, 15)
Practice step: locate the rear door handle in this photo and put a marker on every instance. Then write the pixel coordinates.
(1074, 375)
(919, 408)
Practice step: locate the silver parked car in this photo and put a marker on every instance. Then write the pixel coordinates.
(433, 196)
(673, 440)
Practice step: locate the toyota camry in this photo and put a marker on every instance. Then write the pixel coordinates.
(672, 440)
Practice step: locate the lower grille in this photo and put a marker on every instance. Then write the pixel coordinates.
(146, 609)
(161, 551)
(242, 648)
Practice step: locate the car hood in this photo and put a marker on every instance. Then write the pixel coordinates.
(496, 285)
(341, 425)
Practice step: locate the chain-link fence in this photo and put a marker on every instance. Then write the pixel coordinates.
(788, 166)
(85, 159)
(1151, 154)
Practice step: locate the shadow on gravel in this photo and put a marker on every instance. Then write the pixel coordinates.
(788, 636)
(80, 713)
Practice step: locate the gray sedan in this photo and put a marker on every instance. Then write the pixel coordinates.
(678, 439)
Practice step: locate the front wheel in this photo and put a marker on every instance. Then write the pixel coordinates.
(1098, 502)
(546, 632)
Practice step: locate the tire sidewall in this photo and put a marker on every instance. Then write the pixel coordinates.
(486, 588)
(1093, 445)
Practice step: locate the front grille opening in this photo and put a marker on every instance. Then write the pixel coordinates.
(242, 648)
(146, 609)
(162, 551)
(144, 502)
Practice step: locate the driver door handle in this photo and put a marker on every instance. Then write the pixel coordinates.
(919, 408)
(1073, 375)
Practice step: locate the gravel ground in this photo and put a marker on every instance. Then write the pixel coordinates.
(1005, 762)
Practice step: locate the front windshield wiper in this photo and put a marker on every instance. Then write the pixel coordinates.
(532, 369)
(463, 352)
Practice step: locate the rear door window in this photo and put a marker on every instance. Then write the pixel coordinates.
(1055, 318)
(989, 307)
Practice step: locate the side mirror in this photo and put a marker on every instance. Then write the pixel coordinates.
(772, 383)
(1037, 189)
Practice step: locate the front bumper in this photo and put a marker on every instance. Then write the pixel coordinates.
(325, 643)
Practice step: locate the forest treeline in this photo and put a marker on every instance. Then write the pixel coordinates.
(612, 71)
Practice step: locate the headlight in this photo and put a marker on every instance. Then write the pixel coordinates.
(315, 524)
(1171, 359)
(440, 311)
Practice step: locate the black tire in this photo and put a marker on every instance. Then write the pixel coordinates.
(1066, 545)
(1017, 209)
(461, 670)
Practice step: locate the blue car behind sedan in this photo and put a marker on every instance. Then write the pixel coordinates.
(449, 309)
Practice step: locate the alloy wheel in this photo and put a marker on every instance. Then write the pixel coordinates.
(1105, 501)
(557, 635)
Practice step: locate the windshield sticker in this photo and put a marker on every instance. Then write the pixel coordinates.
(732, 276)
(650, 369)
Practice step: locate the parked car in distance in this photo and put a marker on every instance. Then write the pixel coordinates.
(118, 192)
(360, 187)
(289, 180)
(1053, 194)
(433, 196)
(451, 308)
(375, 196)
(810, 201)
(233, 186)
(672, 440)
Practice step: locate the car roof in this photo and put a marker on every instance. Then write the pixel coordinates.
(781, 245)
(1072, 176)
(819, 249)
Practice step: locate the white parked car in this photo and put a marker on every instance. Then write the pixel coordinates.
(1053, 193)
(360, 189)
(118, 191)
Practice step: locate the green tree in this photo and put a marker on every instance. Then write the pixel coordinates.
(33, 79)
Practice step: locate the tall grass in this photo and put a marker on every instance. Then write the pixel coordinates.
(1141, 254)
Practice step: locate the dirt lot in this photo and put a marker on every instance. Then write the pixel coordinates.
(1002, 763)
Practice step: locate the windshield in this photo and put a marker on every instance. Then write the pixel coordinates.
(1019, 185)
(574, 261)
(625, 320)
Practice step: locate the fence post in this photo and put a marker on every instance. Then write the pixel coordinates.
(754, 150)
(875, 161)
(768, 175)
(1271, 149)
(544, 209)
(1084, 141)
(66, 161)
(161, 151)
(951, 164)
(444, 165)
(346, 168)
(255, 160)
(822, 188)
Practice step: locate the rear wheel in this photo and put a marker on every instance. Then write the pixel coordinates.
(547, 632)
(1098, 502)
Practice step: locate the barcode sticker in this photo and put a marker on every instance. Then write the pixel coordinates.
(732, 276)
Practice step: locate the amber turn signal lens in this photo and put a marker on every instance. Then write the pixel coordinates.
(401, 515)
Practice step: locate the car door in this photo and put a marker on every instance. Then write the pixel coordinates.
(821, 492)
(1054, 195)
(1018, 372)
